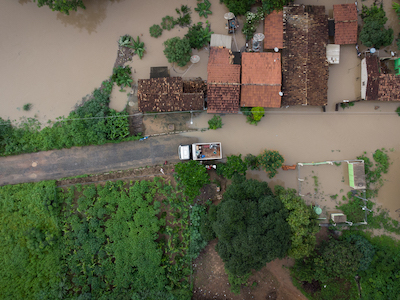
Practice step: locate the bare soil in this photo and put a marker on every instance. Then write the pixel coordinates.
(271, 282)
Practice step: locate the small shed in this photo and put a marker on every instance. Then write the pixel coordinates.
(338, 218)
(357, 175)
(333, 53)
(221, 40)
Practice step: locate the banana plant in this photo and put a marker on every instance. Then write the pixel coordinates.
(138, 47)
(203, 8)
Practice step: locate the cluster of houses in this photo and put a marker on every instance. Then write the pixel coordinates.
(293, 68)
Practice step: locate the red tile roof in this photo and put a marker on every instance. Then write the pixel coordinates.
(223, 82)
(261, 79)
(346, 24)
(273, 30)
(389, 87)
(344, 12)
(260, 95)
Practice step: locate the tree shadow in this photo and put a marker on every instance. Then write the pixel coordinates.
(88, 19)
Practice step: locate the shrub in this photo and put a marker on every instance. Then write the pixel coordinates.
(168, 23)
(252, 162)
(125, 41)
(178, 50)
(270, 161)
(203, 8)
(63, 6)
(138, 46)
(398, 111)
(234, 165)
(192, 177)
(155, 30)
(215, 122)
(184, 18)
(251, 22)
(199, 36)
(239, 7)
(27, 106)
(122, 76)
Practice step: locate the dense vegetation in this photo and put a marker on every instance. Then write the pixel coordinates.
(93, 123)
(117, 241)
(373, 32)
(332, 268)
(178, 50)
(250, 224)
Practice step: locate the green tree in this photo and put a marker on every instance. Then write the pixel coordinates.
(302, 221)
(63, 6)
(234, 165)
(199, 36)
(192, 176)
(250, 224)
(270, 161)
(373, 32)
(178, 50)
(239, 7)
(215, 122)
(270, 5)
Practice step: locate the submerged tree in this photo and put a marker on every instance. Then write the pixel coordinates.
(63, 6)
(178, 50)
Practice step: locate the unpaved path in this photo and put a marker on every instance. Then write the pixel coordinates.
(57, 164)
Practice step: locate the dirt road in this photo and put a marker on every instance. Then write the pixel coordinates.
(89, 160)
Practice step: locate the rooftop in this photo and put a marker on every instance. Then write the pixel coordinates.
(304, 65)
(166, 94)
(346, 24)
(223, 82)
(273, 30)
(261, 79)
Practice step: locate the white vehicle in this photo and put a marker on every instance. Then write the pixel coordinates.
(200, 151)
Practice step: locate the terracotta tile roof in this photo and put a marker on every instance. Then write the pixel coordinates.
(261, 79)
(166, 94)
(223, 82)
(223, 73)
(304, 66)
(273, 30)
(344, 12)
(346, 24)
(260, 95)
(223, 98)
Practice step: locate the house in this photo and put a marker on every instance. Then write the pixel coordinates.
(346, 24)
(357, 175)
(304, 66)
(273, 30)
(167, 94)
(378, 81)
(223, 82)
(261, 79)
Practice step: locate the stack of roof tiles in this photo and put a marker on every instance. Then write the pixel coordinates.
(223, 82)
(304, 66)
(381, 87)
(166, 94)
(346, 24)
(261, 79)
(273, 30)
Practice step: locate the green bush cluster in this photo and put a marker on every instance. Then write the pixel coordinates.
(373, 32)
(253, 114)
(93, 123)
(136, 45)
(168, 22)
(122, 76)
(95, 242)
(203, 8)
(215, 122)
(191, 176)
(178, 50)
(199, 36)
(63, 6)
(155, 31)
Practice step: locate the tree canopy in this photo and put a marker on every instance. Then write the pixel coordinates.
(178, 50)
(373, 32)
(302, 222)
(63, 6)
(250, 224)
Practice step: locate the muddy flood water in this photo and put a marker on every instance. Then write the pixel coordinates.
(52, 61)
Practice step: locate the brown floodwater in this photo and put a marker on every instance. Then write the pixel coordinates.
(52, 61)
